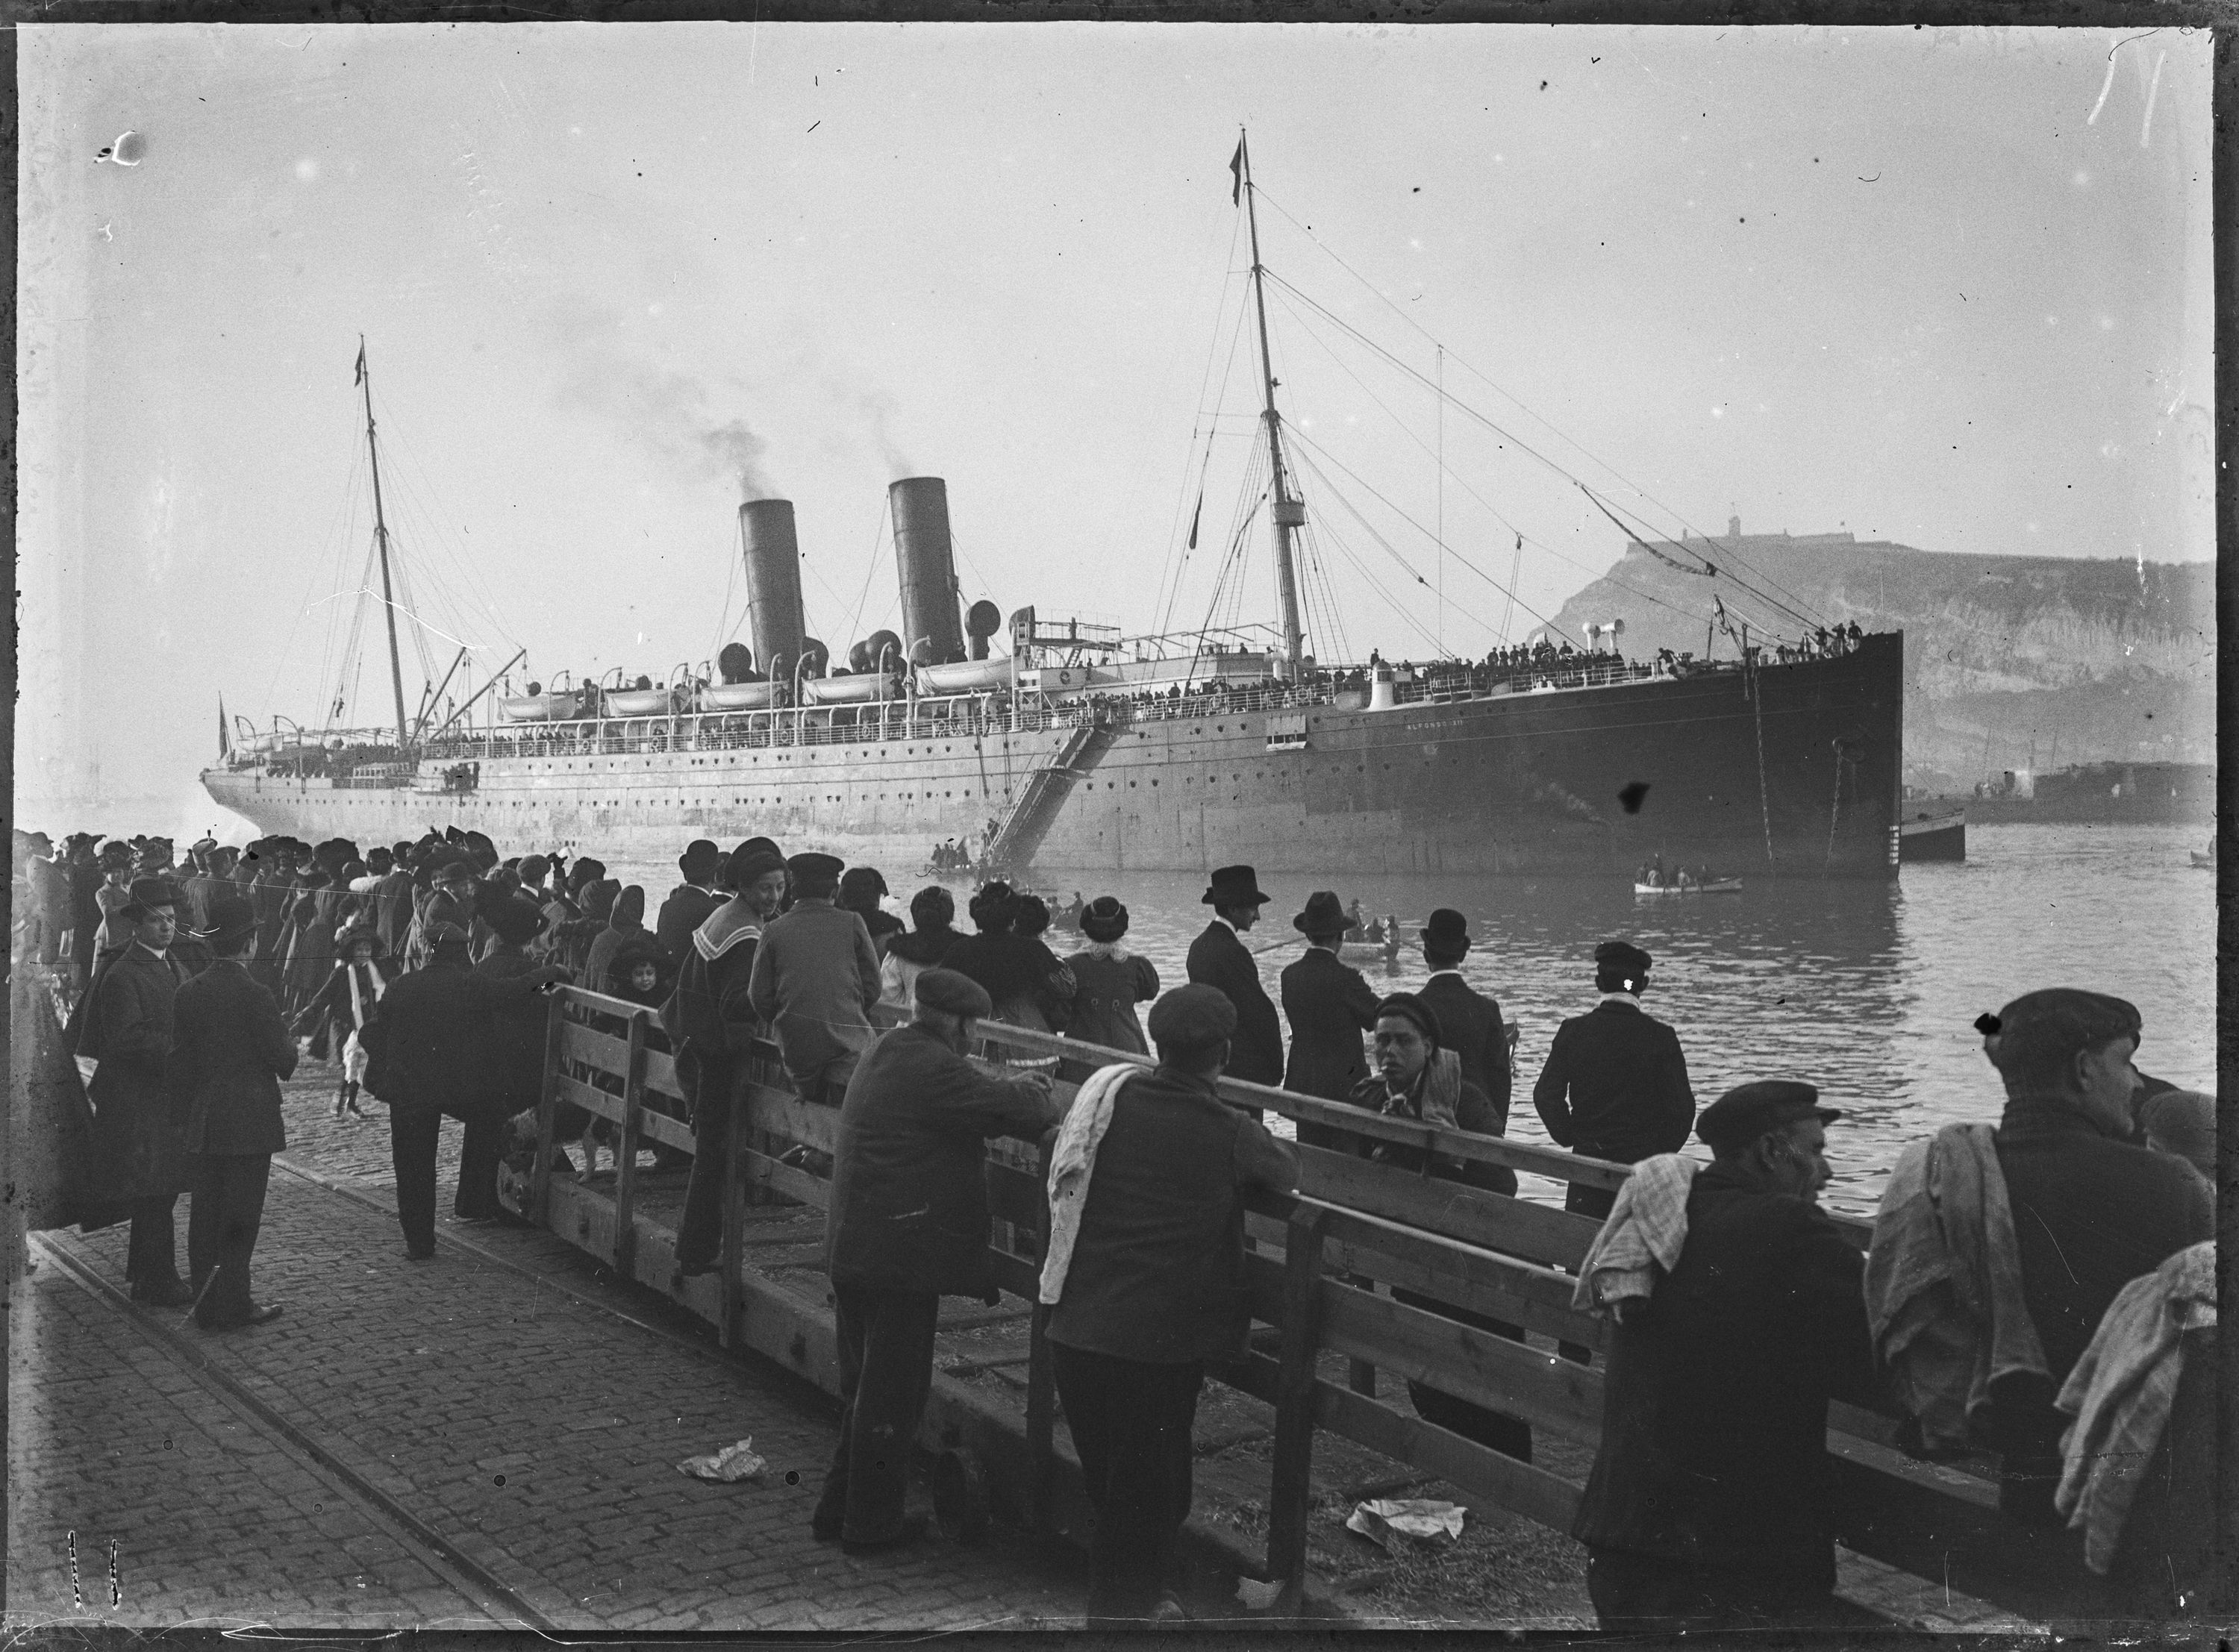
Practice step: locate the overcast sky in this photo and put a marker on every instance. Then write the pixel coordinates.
(1949, 288)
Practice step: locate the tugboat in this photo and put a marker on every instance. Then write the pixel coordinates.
(1933, 837)
(1082, 747)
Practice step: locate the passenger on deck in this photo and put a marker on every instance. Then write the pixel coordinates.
(1218, 958)
(1330, 1005)
(712, 1026)
(1144, 1283)
(815, 977)
(1708, 1504)
(907, 1224)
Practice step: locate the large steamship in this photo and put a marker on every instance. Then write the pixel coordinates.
(1078, 747)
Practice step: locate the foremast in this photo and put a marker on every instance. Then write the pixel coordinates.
(381, 538)
(1290, 512)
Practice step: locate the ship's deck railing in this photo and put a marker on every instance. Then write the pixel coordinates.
(1371, 1265)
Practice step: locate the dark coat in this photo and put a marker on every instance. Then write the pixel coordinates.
(687, 908)
(2091, 1213)
(1157, 1274)
(333, 1003)
(1218, 958)
(1615, 1086)
(1473, 1111)
(708, 1019)
(1714, 1411)
(1471, 1028)
(516, 1018)
(135, 1148)
(229, 1051)
(429, 1034)
(909, 1189)
(1329, 1004)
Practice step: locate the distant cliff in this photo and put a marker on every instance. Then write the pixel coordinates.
(2010, 662)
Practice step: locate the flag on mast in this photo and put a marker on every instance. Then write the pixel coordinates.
(1236, 172)
(1194, 515)
(224, 746)
(360, 379)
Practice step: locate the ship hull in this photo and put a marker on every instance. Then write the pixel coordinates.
(1788, 772)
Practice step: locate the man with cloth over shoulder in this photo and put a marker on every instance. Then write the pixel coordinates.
(1709, 1504)
(230, 1049)
(907, 1224)
(1145, 1279)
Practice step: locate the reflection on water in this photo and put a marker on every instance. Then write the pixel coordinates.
(1869, 991)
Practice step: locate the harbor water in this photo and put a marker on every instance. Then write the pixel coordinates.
(1869, 992)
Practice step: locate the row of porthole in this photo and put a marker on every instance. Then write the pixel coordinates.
(782, 757)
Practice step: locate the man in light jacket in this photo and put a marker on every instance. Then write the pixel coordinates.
(815, 977)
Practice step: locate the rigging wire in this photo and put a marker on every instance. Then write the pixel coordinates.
(1545, 424)
(878, 538)
(1179, 561)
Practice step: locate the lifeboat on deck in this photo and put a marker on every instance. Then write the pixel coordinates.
(738, 696)
(541, 708)
(965, 676)
(639, 702)
(848, 691)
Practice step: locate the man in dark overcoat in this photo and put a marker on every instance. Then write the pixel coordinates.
(1152, 1290)
(429, 1040)
(1219, 959)
(135, 1140)
(1709, 1504)
(229, 1051)
(1615, 1086)
(505, 991)
(907, 1224)
(692, 902)
(1471, 1021)
(1329, 1004)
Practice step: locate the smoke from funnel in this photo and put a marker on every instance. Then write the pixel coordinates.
(675, 414)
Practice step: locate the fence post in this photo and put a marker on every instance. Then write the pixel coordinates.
(1042, 1383)
(1292, 1489)
(540, 1175)
(626, 1151)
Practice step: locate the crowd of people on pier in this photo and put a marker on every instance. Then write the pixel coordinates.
(2039, 1284)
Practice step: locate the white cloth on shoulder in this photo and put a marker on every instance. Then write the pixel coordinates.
(1073, 1160)
(1641, 1237)
(2121, 1391)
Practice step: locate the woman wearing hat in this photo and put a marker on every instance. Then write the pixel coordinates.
(1109, 980)
(933, 910)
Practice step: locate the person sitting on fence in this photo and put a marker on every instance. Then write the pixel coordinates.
(933, 909)
(815, 977)
(1739, 1313)
(347, 1005)
(907, 1224)
(1418, 1078)
(1110, 980)
(637, 972)
(713, 1027)
(1145, 1284)
(2087, 1211)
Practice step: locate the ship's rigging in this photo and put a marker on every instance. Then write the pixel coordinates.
(1284, 457)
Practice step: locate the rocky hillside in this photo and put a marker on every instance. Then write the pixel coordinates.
(2011, 662)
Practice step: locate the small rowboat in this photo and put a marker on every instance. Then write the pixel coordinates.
(1716, 886)
(965, 676)
(639, 702)
(541, 708)
(844, 690)
(738, 696)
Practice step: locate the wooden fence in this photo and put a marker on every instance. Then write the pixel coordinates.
(1323, 1272)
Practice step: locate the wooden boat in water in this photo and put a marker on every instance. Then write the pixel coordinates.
(1716, 886)
(1933, 837)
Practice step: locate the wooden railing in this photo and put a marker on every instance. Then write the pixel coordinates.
(1321, 1273)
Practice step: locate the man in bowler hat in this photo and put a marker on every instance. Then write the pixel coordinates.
(230, 1049)
(1329, 1004)
(1708, 1504)
(1472, 1021)
(907, 1224)
(1219, 959)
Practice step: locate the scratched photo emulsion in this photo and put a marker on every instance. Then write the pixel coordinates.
(1051, 824)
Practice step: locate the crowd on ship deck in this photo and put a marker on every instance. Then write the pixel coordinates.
(2039, 1284)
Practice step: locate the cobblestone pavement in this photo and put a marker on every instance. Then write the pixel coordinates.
(537, 1433)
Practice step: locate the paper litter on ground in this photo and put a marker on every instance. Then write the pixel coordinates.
(732, 1463)
(1407, 1516)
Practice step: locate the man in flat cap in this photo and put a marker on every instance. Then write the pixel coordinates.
(1152, 1289)
(1615, 1086)
(907, 1224)
(1708, 1504)
(125, 1024)
(711, 1026)
(1218, 958)
(229, 1051)
(2092, 1210)
(815, 977)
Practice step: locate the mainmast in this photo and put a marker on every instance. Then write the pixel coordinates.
(380, 537)
(1290, 512)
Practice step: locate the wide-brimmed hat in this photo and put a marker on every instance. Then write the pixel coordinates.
(1104, 918)
(146, 892)
(231, 917)
(1323, 916)
(1447, 931)
(514, 920)
(1234, 886)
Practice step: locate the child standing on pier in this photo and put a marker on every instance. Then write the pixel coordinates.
(348, 1004)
